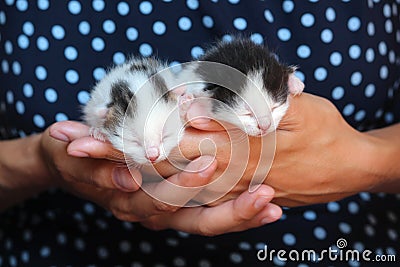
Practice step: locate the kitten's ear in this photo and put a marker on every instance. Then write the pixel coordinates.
(296, 86)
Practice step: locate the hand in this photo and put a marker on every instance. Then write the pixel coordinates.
(318, 158)
(248, 211)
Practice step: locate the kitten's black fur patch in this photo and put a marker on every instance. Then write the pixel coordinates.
(246, 56)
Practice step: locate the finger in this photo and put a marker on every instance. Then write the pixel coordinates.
(68, 130)
(249, 210)
(196, 119)
(168, 195)
(90, 147)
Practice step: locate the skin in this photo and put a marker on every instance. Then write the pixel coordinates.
(101, 178)
(318, 158)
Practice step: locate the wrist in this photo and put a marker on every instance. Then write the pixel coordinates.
(386, 151)
(23, 171)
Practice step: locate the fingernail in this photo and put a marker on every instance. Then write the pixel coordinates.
(123, 179)
(59, 136)
(78, 154)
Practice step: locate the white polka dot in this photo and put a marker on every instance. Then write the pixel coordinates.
(354, 24)
(359, 246)
(3, 17)
(99, 73)
(79, 244)
(353, 207)
(61, 117)
(70, 53)
(356, 78)
(145, 247)
(9, 2)
(20, 107)
(300, 75)
(268, 16)
(370, 55)
(355, 51)
(240, 23)
(369, 230)
(27, 89)
(42, 43)
(123, 8)
(16, 68)
(257, 38)
(278, 261)
(284, 34)
(383, 72)
(84, 27)
(234, 2)
(319, 233)
(208, 21)
(8, 47)
(387, 11)
(307, 20)
(244, 245)
(43, 4)
(236, 258)
(388, 26)
(125, 246)
(23, 41)
(132, 34)
(72, 76)
(145, 49)
(197, 51)
(392, 57)
(83, 97)
(98, 44)
(28, 28)
(369, 90)
(365, 196)
(227, 38)
(289, 239)
(184, 23)
(333, 206)
(109, 26)
(288, 6)
(10, 97)
(320, 74)
(303, 51)
(389, 117)
(348, 109)
(38, 120)
(310, 215)
(41, 73)
(330, 14)
(145, 7)
(345, 228)
(382, 48)
(22, 5)
(74, 7)
(51, 95)
(25, 256)
(326, 36)
(98, 5)
(58, 32)
(337, 93)
(192, 4)
(371, 28)
(335, 59)
(159, 27)
(119, 58)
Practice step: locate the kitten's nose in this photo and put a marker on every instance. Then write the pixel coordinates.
(152, 153)
(264, 125)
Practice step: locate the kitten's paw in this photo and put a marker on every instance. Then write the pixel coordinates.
(184, 102)
(96, 133)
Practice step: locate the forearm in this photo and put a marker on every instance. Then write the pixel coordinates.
(23, 172)
(387, 143)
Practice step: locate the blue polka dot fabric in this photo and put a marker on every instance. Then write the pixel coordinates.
(53, 52)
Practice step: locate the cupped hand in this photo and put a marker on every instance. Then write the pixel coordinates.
(318, 157)
(247, 211)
